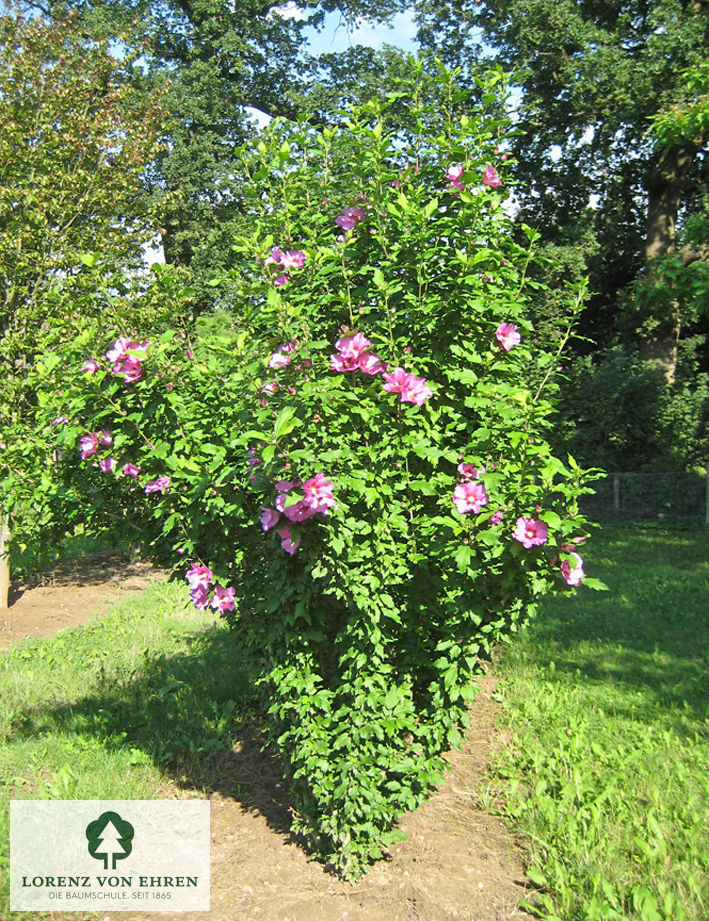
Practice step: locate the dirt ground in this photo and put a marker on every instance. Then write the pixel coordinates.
(71, 593)
(458, 864)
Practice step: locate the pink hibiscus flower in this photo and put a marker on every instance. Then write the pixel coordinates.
(130, 369)
(118, 352)
(269, 518)
(351, 349)
(349, 218)
(88, 444)
(275, 257)
(469, 497)
(223, 599)
(370, 363)
(90, 365)
(573, 574)
(318, 494)
(301, 511)
(131, 470)
(397, 381)
(287, 542)
(416, 391)
(107, 464)
(530, 532)
(200, 597)
(453, 174)
(339, 363)
(278, 360)
(352, 346)
(283, 487)
(287, 485)
(491, 178)
(507, 335)
(160, 485)
(199, 576)
(470, 472)
(293, 259)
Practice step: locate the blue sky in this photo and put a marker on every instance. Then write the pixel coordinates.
(337, 36)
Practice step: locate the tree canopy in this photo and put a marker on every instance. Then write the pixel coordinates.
(74, 141)
(217, 61)
(592, 76)
(75, 138)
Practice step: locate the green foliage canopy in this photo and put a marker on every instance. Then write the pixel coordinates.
(218, 60)
(593, 75)
(74, 141)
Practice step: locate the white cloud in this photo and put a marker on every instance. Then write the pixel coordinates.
(287, 11)
(261, 118)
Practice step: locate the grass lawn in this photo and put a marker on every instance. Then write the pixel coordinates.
(607, 695)
(112, 709)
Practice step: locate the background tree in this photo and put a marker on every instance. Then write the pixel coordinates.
(593, 74)
(678, 270)
(74, 140)
(218, 61)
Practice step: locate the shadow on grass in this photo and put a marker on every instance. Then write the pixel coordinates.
(193, 714)
(649, 633)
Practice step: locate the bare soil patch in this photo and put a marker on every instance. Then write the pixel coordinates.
(72, 592)
(458, 863)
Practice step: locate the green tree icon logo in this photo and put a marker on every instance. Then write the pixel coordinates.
(110, 839)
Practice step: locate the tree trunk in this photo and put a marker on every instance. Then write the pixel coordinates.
(665, 189)
(4, 561)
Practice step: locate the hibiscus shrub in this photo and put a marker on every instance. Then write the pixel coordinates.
(358, 476)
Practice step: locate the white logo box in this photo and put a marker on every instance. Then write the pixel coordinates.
(109, 855)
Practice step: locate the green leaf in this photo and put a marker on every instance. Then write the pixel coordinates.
(462, 557)
(455, 739)
(536, 876)
(285, 421)
(393, 836)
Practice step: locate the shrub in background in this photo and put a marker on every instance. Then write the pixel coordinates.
(619, 412)
(356, 475)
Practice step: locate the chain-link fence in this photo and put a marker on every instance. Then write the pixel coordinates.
(668, 496)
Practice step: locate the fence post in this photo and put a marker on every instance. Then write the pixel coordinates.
(616, 493)
(4, 560)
